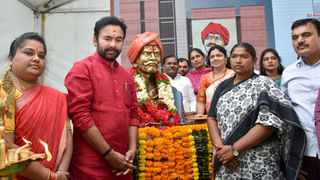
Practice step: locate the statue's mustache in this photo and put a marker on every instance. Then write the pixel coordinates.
(150, 62)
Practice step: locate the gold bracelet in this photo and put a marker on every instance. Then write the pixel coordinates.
(49, 174)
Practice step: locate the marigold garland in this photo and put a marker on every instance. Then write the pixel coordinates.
(161, 114)
(174, 153)
(201, 144)
(195, 170)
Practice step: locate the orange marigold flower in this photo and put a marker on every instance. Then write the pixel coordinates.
(173, 176)
(149, 163)
(154, 132)
(158, 141)
(180, 171)
(157, 157)
(177, 135)
(157, 164)
(176, 145)
(165, 150)
(171, 158)
(185, 139)
(186, 150)
(172, 150)
(179, 166)
(178, 141)
(150, 143)
(171, 164)
(158, 177)
(149, 149)
(148, 174)
(149, 156)
(156, 151)
(164, 166)
(179, 157)
(179, 152)
(156, 170)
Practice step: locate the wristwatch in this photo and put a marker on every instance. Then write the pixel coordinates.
(235, 152)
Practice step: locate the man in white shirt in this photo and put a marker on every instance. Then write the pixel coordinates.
(301, 82)
(181, 83)
(184, 66)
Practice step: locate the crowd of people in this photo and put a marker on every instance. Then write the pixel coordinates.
(262, 126)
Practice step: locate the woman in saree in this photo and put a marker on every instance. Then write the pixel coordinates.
(38, 111)
(252, 125)
(197, 59)
(270, 65)
(217, 59)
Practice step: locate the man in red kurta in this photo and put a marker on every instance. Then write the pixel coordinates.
(103, 108)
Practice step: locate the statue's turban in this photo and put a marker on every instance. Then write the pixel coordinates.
(215, 28)
(141, 40)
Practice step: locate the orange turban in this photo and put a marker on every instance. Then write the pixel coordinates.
(140, 41)
(215, 28)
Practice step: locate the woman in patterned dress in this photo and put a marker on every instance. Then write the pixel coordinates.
(252, 125)
(270, 65)
(217, 59)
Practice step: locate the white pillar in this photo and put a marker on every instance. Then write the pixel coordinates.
(181, 28)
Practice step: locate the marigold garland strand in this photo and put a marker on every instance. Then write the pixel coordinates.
(179, 152)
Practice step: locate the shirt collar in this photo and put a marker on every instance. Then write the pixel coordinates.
(169, 77)
(300, 63)
(106, 62)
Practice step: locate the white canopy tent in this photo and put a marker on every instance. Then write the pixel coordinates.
(44, 6)
(66, 25)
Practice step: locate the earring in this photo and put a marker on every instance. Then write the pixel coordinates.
(10, 66)
(278, 69)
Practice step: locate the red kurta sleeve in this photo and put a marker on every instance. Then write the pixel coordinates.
(80, 91)
(134, 121)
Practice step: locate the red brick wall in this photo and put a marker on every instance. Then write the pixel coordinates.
(130, 14)
(253, 28)
(216, 13)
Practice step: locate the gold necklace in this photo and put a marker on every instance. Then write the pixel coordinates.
(22, 87)
(219, 77)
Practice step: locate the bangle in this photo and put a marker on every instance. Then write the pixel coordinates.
(49, 174)
(107, 152)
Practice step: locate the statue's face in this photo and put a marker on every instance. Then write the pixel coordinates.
(149, 60)
(213, 39)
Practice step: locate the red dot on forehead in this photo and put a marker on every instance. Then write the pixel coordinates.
(114, 30)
